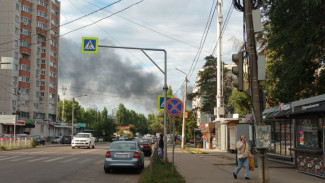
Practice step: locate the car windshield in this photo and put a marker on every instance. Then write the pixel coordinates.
(123, 146)
(82, 135)
(144, 140)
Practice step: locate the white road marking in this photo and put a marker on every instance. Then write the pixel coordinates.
(38, 159)
(72, 159)
(50, 160)
(12, 157)
(21, 159)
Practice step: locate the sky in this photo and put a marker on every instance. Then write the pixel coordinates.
(115, 76)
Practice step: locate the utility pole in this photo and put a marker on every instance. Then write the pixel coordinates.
(184, 111)
(251, 49)
(63, 92)
(219, 69)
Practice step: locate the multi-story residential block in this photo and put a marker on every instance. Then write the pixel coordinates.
(29, 42)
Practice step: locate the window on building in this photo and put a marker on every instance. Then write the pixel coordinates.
(42, 83)
(55, 2)
(42, 94)
(54, 12)
(15, 80)
(53, 32)
(17, 19)
(16, 43)
(41, 2)
(43, 50)
(24, 79)
(43, 61)
(17, 6)
(52, 64)
(25, 44)
(41, 25)
(54, 22)
(17, 30)
(309, 134)
(41, 14)
(42, 72)
(52, 95)
(14, 91)
(26, 21)
(52, 85)
(24, 67)
(16, 55)
(26, 8)
(16, 67)
(14, 103)
(25, 32)
(53, 54)
(23, 91)
(37, 83)
(53, 43)
(52, 74)
(281, 137)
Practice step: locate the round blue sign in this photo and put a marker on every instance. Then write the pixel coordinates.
(174, 106)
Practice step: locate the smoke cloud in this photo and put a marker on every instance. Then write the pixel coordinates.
(106, 76)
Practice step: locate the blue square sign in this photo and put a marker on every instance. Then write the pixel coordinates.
(89, 45)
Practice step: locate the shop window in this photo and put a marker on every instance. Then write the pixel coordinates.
(281, 137)
(309, 134)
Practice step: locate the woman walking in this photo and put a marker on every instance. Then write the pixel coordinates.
(242, 155)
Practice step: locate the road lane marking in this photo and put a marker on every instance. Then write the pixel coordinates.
(72, 159)
(12, 157)
(50, 160)
(38, 159)
(21, 159)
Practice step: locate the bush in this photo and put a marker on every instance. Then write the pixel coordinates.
(33, 143)
(3, 148)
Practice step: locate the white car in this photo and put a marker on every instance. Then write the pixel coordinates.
(83, 140)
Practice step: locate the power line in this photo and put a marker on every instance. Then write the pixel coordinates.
(86, 25)
(25, 36)
(151, 29)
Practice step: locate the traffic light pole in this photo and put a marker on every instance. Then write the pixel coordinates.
(255, 92)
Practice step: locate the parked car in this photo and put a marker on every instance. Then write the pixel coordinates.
(57, 140)
(114, 139)
(191, 141)
(38, 139)
(124, 154)
(83, 140)
(21, 135)
(145, 145)
(66, 139)
(122, 139)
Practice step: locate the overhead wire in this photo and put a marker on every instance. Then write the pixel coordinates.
(85, 25)
(69, 22)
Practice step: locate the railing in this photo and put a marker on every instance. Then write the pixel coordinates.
(14, 143)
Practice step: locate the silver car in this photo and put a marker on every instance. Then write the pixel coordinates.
(124, 154)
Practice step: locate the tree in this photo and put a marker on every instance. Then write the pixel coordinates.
(240, 101)
(294, 42)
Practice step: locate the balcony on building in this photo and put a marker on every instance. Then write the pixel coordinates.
(25, 50)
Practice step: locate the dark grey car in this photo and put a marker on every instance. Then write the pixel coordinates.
(124, 154)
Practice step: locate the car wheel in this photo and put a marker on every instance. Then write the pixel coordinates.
(88, 147)
(93, 146)
(107, 170)
(142, 166)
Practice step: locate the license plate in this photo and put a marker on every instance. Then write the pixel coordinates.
(122, 156)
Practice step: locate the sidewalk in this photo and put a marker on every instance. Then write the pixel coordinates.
(218, 167)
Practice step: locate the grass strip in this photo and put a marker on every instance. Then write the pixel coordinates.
(195, 151)
(161, 173)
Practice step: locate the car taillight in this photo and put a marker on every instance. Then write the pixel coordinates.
(136, 155)
(108, 154)
(146, 145)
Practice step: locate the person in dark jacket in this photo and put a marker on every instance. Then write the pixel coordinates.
(161, 146)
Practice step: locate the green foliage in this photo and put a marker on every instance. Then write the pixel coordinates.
(121, 132)
(161, 173)
(33, 143)
(294, 41)
(240, 101)
(3, 148)
(208, 85)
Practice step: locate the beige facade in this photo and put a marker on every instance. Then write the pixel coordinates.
(29, 42)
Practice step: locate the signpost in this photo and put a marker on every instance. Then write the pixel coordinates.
(174, 108)
(89, 45)
(161, 103)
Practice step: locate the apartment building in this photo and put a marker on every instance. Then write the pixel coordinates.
(29, 58)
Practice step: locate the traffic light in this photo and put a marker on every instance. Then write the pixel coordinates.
(238, 70)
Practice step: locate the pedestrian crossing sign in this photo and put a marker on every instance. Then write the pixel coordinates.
(89, 45)
(161, 102)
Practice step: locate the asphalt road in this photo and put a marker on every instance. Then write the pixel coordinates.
(60, 164)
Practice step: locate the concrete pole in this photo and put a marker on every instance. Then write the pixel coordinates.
(251, 48)
(219, 69)
(165, 111)
(72, 116)
(184, 111)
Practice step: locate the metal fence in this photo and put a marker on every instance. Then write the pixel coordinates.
(17, 142)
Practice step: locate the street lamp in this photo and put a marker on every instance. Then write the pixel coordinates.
(73, 112)
(183, 127)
